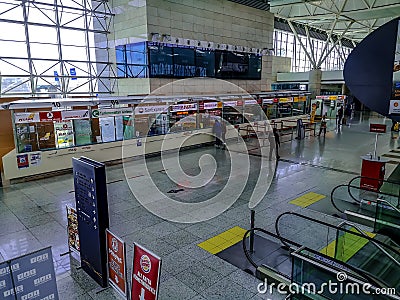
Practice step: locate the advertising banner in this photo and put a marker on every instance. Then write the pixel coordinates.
(26, 118)
(116, 263)
(50, 116)
(145, 274)
(34, 277)
(73, 234)
(230, 103)
(74, 114)
(157, 109)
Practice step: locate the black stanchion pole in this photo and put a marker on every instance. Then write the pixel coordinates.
(252, 216)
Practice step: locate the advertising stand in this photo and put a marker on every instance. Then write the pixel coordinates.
(145, 274)
(116, 253)
(92, 212)
(30, 276)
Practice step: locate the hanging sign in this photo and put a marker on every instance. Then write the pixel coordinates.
(50, 116)
(144, 110)
(26, 118)
(184, 107)
(116, 252)
(74, 114)
(111, 112)
(145, 274)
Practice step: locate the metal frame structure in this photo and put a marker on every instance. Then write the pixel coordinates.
(62, 61)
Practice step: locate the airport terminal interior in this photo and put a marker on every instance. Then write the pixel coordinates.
(182, 149)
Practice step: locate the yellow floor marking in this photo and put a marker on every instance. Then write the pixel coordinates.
(307, 199)
(351, 245)
(223, 240)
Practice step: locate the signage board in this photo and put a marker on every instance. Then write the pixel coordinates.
(92, 214)
(252, 101)
(156, 109)
(267, 101)
(111, 112)
(72, 72)
(74, 114)
(378, 128)
(34, 277)
(26, 118)
(230, 103)
(72, 225)
(50, 116)
(394, 107)
(116, 253)
(145, 274)
(184, 107)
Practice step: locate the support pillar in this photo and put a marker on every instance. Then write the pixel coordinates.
(314, 82)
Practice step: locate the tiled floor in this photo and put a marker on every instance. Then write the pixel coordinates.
(33, 215)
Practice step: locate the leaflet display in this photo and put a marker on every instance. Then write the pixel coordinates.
(92, 210)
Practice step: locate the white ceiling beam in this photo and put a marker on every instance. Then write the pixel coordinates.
(302, 45)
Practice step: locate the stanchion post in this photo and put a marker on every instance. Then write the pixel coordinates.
(252, 216)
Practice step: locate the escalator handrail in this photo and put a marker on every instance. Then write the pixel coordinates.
(377, 179)
(325, 224)
(388, 203)
(355, 199)
(371, 278)
(266, 232)
(372, 241)
(364, 189)
(333, 202)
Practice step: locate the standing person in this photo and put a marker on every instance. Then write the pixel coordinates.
(217, 130)
(277, 141)
(322, 126)
(340, 115)
(223, 125)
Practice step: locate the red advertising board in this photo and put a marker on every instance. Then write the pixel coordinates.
(145, 274)
(50, 116)
(378, 128)
(116, 263)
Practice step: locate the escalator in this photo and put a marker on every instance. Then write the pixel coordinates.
(371, 254)
(376, 209)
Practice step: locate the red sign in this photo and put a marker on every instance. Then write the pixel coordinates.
(50, 116)
(22, 161)
(379, 128)
(116, 263)
(145, 274)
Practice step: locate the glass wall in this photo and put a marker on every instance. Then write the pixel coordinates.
(285, 44)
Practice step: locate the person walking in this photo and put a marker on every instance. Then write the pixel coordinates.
(277, 142)
(340, 115)
(322, 126)
(217, 130)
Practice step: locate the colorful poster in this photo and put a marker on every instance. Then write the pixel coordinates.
(22, 161)
(116, 253)
(73, 234)
(145, 274)
(36, 159)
